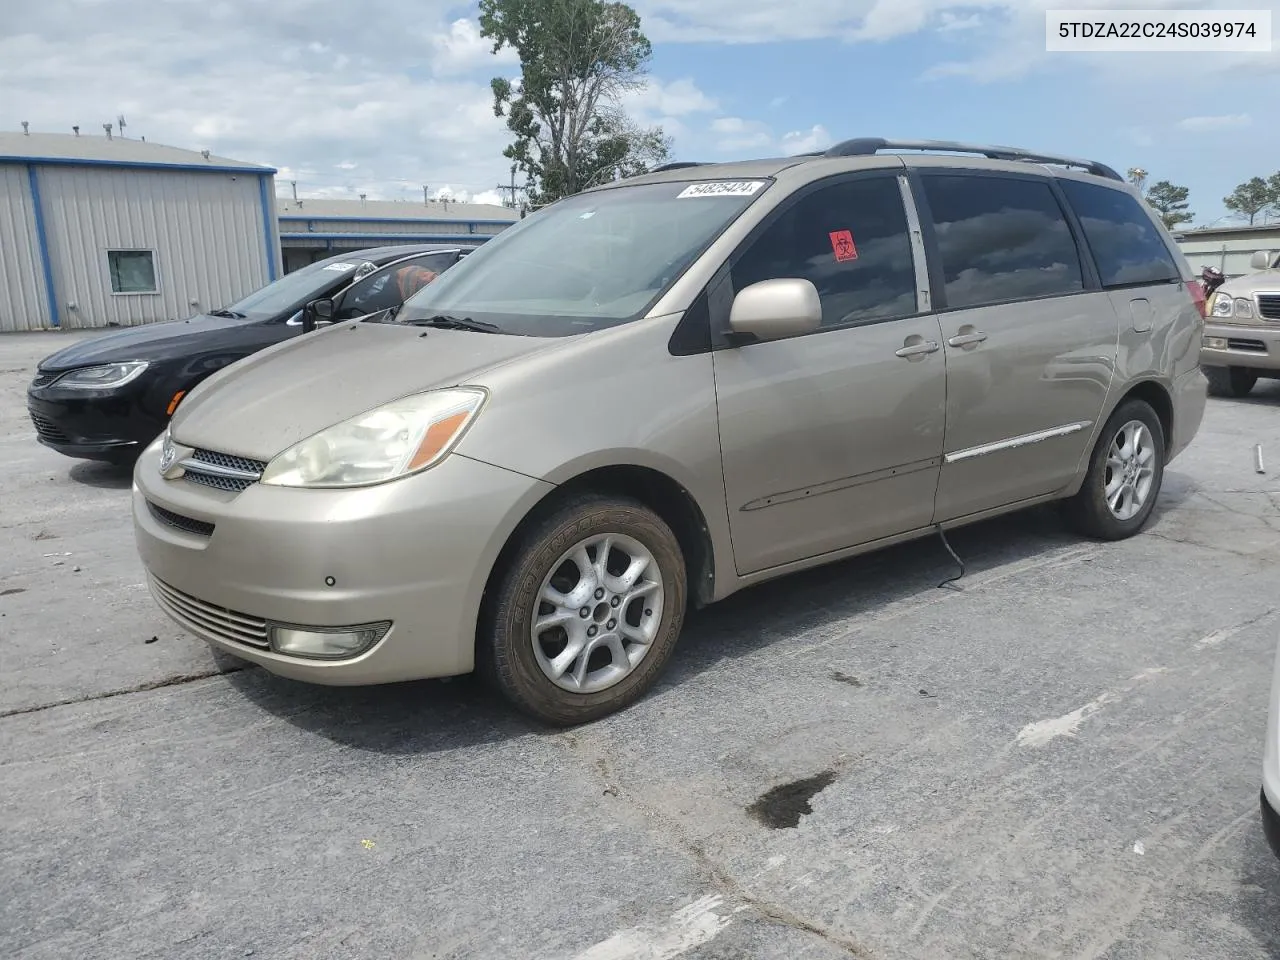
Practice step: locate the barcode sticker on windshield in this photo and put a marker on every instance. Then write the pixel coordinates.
(340, 266)
(721, 188)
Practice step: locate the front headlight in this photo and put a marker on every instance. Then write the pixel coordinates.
(1221, 306)
(394, 440)
(106, 375)
(1243, 309)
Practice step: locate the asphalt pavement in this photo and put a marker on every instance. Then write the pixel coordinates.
(1060, 757)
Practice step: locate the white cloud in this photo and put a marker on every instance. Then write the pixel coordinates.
(734, 134)
(816, 137)
(197, 76)
(461, 48)
(1225, 121)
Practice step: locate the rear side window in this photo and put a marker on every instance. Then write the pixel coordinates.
(850, 240)
(1125, 243)
(1001, 239)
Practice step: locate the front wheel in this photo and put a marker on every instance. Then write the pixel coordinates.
(1229, 381)
(587, 611)
(1125, 473)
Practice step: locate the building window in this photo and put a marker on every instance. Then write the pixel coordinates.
(132, 271)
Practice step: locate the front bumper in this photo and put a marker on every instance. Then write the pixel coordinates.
(91, 425)
(416, 552)
(1255, 346)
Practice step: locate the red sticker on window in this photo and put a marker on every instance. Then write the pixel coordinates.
(842, 244)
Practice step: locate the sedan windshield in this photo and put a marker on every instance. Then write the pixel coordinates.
(591, 261)
(292, 291)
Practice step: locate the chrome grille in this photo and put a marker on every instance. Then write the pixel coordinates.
(46, 429)
(208, 619)
(222, 471)
(228, 461)
(44, 379)
(200, 528)
(1268, 305)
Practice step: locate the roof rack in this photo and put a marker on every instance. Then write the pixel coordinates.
(677, 165)
(868, 146)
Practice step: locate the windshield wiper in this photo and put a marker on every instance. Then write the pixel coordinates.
(221, 312)
(455, 323)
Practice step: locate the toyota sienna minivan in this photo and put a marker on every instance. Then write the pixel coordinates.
(647, 396)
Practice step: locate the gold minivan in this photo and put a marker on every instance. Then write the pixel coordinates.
(655, 393)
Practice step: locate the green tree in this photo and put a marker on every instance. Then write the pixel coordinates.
(577, 59)
(1170, 202)
(1253, 197)
(1137, 177)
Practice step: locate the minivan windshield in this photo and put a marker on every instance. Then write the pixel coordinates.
(590, 261)
(292, 291)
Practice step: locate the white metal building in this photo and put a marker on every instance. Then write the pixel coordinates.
(311, 230)
(104, 231)
(1227, 248)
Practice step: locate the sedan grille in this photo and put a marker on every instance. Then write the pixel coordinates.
(200, 528)
(208, 619)
(222, 471)
(44, 379)
(46, 429)
(1269, 305)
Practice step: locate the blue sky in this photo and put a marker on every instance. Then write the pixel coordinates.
(396, 96)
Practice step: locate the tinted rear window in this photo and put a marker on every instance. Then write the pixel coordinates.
(1001, 239)
(1125, 243)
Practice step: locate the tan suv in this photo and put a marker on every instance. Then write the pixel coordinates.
(652, 394)
(1242, 332)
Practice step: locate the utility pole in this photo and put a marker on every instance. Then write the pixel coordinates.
(503, 188)
(294, 184)
(426, 197)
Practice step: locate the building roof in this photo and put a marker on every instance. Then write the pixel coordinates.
(116, 151)
(388, 210)
(1207, 233)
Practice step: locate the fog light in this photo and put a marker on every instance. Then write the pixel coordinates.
(1215, 343)
(326, 643)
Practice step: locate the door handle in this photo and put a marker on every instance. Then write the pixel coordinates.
(913, 350)
(967, 339)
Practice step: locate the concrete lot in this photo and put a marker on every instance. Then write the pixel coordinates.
(1059, 759)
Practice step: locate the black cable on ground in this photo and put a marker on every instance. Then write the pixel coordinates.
(942, 535)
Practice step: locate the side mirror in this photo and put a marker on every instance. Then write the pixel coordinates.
(1261, 260)
(775, 309)
(316, 312)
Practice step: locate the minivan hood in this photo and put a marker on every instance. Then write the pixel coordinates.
(1250, 283)
(267, 402)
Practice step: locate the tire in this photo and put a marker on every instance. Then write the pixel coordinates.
(1229, 381)
(1090, 510)
(520, 667)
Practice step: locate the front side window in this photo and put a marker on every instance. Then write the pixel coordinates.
(391, 285)
(1001, 239)
(132, 271)
(1125, 243)
(590, 261)
(850, 240)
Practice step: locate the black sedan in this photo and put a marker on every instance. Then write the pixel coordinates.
(108, 397)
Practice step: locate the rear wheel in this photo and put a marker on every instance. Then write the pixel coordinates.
(1125, 473)
(1229, 381)
(587, 611)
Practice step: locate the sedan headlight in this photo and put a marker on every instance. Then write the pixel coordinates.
(1221, 306)
(106, 375)
(394, 440)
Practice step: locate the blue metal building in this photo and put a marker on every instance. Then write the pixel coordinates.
(100, 231)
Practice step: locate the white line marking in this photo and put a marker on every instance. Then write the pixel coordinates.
(689, 927)
(1042, 731)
